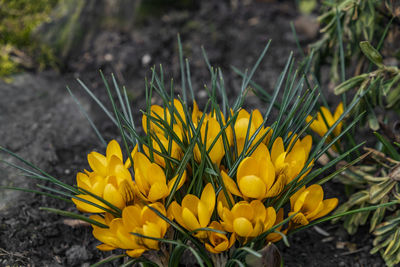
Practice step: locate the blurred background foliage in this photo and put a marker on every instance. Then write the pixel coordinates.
(18, 48)
(36, 34)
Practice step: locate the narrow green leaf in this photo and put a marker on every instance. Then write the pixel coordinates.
(108, 259)
(371, 53)
(82, 110)
(74, 216)
(35, 192)
(391, 150)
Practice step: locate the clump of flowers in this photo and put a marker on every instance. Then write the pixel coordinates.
(207, 178)
(220, 181)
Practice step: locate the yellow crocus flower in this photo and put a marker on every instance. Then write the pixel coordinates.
(160, 113)
(255, 177)
(246, 220)
(213, 127)
(175, 151)
(320, 126)
(275, 237)
(110, 180)
(135, 219)
(150, 180)
(161, 133)
(290, 163)
(309, 204)
(218, 242)
(243, 123)
(195, 213)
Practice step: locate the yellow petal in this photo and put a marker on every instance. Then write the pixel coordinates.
(204, 213)
(208, 197)
(222, 201)
(299, 218)
(179, 109)
(148, 215)
(248, 166)
(306, 142)
(243, 209)
(151, 230)
(176, 211)
(252, 186)
(338, 111)
(125, 189)
(328, 116)
(280, 164)
(128, 161)
(232, 240)
(277, 149)
(329, 205)
(112, 195)
(242, 227)
(117, 168)
(323, 128)
(83, 181)
(190, 221)
(135, 253)
(196, 114)
(113, 148)
(85, 207)
(278, 186)
(298, 205)
(191, 202)
(243, 114)
(267, 173)
(223, 245)
(261, 153)
(258, 228)
(131, 217)
(319, 126)
(98, 183)
(105, 247)
(295, 160)
(309, 118)
(227, 219)
(241, 127)
(230, 184)
(310, 214)
(98, 163)
(173, 180)
(270, 218)
(217, 152)
(141, 163)
(259, 210)
(141, 183)
(315, 196)
(257, 118)
(105, 235)
(295, 196)
(155, 174)
(157, 192)
(211, 249)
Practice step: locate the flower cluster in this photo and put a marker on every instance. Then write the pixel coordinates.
(218, 178)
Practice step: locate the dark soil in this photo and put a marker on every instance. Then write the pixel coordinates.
(231, 37)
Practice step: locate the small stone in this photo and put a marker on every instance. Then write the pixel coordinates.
(202, 94)
(108, 57)
(146, 59)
